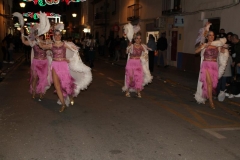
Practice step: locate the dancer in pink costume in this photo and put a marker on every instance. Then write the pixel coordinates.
(39, 80)
(137, 73)
(69, 74)
(40, 77)
(213, 62)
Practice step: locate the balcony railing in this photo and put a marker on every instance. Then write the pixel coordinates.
(170, 7)
(101, 18)
(133, 12)
(175, 10)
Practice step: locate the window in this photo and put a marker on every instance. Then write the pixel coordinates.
(171, 6)
(113, 6)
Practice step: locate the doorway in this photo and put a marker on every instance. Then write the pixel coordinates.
(174, 45)
(215, 27)
(154, 33)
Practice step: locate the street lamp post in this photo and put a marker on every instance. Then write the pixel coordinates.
(74, 15)
(22, 4)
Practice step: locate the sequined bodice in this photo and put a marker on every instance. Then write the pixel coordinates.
(137, 52)
(211, 53)
(59, 52)
(39, 53)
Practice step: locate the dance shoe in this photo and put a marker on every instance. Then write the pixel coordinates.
(128, 94)
(62, 108)
(72, 101)
(139, 95)
(41, 97)
(212, 105)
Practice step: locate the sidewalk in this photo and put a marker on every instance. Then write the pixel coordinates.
(173, 76)
(7, 67)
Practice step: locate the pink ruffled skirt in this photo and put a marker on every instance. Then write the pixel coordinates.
(66, 80)
(134, 74)
(39, 68)
(212, 68)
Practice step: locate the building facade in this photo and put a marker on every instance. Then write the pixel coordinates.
(5, 18)
(111, 15)
(186, 17)
(179, 19)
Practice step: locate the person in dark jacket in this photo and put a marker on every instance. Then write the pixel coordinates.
(151, 44)
(162, 49)
(236, 42)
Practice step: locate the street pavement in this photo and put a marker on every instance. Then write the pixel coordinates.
(103, 124)
(172, 76)
(18, 58)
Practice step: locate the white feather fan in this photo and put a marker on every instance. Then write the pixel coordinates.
(202, 33)
(128, 30)
(20, 18)
(44, 24)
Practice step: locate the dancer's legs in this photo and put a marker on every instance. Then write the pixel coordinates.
(57, 86)
(34, 84)
(209, 88)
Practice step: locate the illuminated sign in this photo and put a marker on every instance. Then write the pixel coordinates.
(55, 16)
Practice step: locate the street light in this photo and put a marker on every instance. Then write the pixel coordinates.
(86, 30)
(25, 19)
(22, 4)
(74, 15)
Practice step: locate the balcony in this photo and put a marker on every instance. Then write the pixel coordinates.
(133, 12)
(170, 12)
(171, 7)
(101, 18)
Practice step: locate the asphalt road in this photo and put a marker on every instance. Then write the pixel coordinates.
(165, 124)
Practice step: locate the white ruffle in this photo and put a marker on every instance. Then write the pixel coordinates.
(67, 101)
(199, 98)
(222, 62)
(78, 70)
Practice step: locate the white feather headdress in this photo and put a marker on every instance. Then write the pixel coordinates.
(20, 18)
(202, 33)
(59, 26)
(44, 24)
(128, 30)
(41, 28)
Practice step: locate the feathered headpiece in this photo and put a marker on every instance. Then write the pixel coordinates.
(20, 18)
(41, 28)
(130, 30)
(44, 24)
(202, 33)
(59, 26)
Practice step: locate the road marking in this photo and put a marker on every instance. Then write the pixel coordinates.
(233, 103)
(114, 81)
(213, 131)
(110, 83)
(198, 120)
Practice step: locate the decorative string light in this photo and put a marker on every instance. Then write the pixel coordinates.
(43, 3)
(35, 15)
